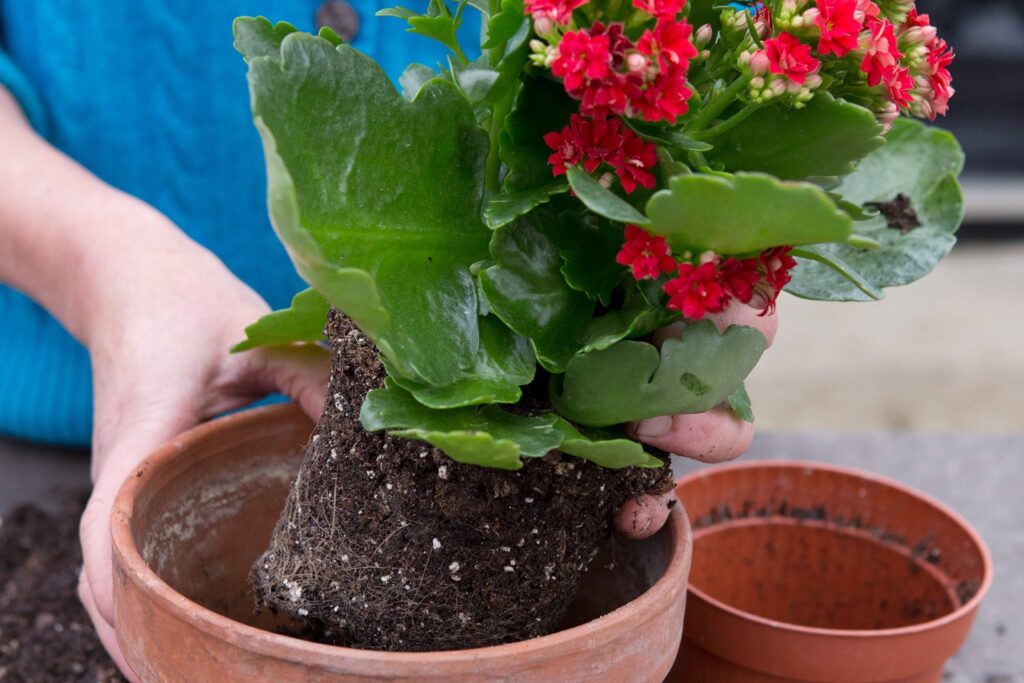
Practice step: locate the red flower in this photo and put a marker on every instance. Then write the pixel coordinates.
(636, 156)
(881, 56)
(900, 83)
(663, 9)
(777, 263)
(939, 59)
(664, 99)
(789, 57)
(866, 9)
(739, 277)
(583, 57)
(696, 291)
(560, 11)
(839, 26)
(648, 256)
(670, 43)
(593, 142)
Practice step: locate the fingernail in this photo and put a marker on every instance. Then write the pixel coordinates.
(654, 426)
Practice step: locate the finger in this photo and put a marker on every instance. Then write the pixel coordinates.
(643, 516)
(749, 316)
(715, 436)
(104, 630)
(299, 371)
(736, 314)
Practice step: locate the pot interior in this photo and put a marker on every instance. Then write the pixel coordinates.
(827, 549)
(201, 522)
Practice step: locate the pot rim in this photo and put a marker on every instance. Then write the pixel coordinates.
(598, 631)
(956, 615)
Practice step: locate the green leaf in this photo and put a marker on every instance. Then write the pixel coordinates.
(414, 78)
(504, 363)
(746, 213)
(526, 290)
(636, 318)
(588, 246)
(704, 12)
(257, 37)
(384, 237)
(827, 258)
(606, 447)
(920, 162)
(633, 381)
(438, 23)
(505, 24)
(825, 138)
(739, 403)
(487, 436)
(303, 321)
(505, 207)
(601, 200)
(542, 106)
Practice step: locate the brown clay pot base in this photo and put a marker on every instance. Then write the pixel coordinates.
(807, 572)
(188, 526)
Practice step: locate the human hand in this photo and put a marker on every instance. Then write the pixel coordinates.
(715, 436)
(159, 337)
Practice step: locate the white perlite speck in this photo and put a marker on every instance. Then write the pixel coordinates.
(385, 578)
(528, 500)
(442, 471)
(454, 566)
(295, 593)
(303, 612)
(509, 568)
(435, 544)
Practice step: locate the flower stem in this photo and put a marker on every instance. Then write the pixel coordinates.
(727, 125)
(492, 168)
(716, 106)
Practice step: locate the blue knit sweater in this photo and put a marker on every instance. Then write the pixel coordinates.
(151, 97)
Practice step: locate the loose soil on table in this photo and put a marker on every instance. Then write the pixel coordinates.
(386, 543)
(45, 634)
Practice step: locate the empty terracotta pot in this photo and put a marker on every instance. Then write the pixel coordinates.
(190, 522)
(809, 572)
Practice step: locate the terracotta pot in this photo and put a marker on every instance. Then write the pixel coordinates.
(190, 522)
(808, 572)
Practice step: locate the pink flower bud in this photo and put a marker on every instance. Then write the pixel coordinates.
(704, 35)
(759, 63)
(543, 24)
(709, 257)
(637, 63)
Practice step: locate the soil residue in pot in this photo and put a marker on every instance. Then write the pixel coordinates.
(45, 634)
(386, 543)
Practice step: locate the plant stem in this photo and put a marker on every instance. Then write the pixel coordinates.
(492, 169)
(716, 106)
(727, 125)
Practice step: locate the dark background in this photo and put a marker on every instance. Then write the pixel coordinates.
(987, 112)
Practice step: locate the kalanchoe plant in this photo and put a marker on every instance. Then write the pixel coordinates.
(604, 169)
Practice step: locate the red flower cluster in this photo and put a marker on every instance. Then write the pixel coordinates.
(648, 256)
(593, 142)
(932, 80)
(610, 75)
(709, 286)
(788, 57)
(559, 11)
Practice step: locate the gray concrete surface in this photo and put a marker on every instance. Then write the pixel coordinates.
(981, 476)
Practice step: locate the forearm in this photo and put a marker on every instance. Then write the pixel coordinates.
(64, 233)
